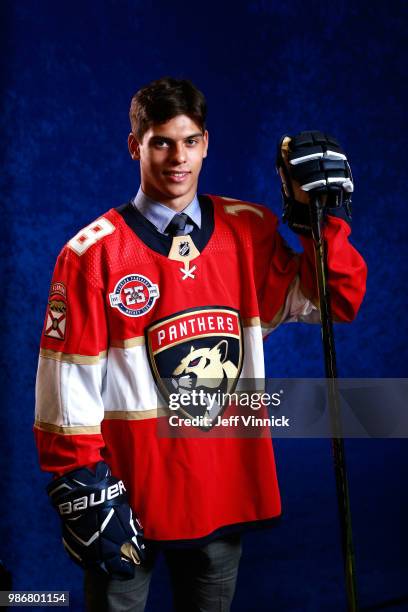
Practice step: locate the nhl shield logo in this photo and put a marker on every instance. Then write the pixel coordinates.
(197, 354)
(184, 249)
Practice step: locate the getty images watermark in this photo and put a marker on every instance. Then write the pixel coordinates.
(206, 410)
(285, 408)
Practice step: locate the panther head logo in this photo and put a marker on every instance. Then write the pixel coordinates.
(205, 368)
(197, 355)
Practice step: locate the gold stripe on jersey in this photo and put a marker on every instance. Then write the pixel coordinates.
(72, 358)
(251, 322)
(128, 343)
(66, 430)
(135, 415)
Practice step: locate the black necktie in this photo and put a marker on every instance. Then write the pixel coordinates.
(177, 225)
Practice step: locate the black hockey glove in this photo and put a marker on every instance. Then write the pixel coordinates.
(98, 529)
(310, 163)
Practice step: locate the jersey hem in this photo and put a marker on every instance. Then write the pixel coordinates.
(236, 528)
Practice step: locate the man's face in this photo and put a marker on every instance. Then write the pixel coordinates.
(171, 155)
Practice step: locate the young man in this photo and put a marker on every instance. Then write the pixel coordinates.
(159, 292)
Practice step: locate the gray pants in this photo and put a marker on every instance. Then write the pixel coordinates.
(203, 580)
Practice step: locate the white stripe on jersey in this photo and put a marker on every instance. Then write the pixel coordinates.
(129, 383)
(69, 394)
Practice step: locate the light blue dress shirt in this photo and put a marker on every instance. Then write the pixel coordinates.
(160, 215)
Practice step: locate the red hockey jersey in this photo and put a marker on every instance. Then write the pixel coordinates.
(126, 308)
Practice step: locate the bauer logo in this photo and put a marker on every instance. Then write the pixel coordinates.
(94, 499)
(134, 295)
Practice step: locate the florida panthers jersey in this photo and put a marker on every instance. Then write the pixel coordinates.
(130, 308)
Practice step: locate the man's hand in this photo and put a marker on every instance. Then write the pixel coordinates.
(98, 528)
(311, 163)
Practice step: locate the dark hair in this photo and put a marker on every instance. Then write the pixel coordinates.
(161, 100)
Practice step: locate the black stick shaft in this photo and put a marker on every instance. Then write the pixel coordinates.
(343, 499)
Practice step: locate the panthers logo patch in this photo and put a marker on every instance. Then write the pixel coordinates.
(197, 350)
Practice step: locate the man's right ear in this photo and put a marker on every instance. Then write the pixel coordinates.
(133, 147)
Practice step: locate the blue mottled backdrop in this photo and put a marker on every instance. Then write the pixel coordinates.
(68, 72)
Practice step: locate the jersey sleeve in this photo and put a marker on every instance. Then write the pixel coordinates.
(347, 270)
(287, 284)
(71, 369)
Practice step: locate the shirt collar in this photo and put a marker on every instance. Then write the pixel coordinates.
(161, 215)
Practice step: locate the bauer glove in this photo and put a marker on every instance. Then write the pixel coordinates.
(98, 529)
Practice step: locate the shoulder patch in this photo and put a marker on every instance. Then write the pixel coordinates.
(56, 319)
(90, 234)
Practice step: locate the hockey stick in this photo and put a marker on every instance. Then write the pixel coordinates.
(343, 500)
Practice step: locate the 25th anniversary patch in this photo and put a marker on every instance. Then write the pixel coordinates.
(134, 295)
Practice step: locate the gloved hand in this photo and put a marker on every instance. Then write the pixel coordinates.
(98, 528)
(311, 163)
